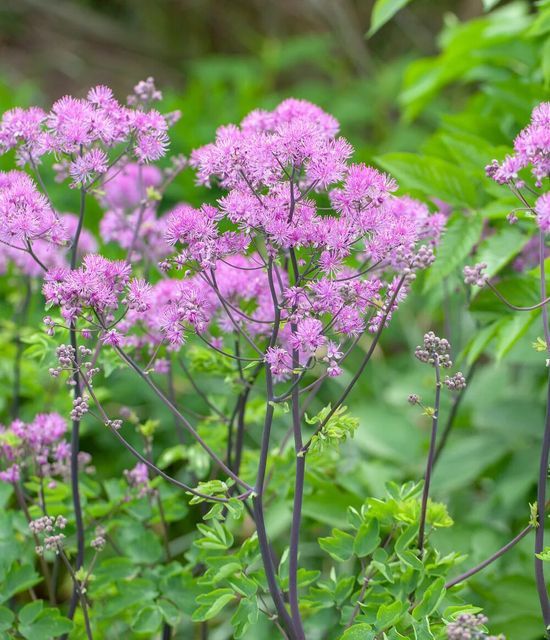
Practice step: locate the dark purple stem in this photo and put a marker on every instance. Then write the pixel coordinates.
(544, 455)
(75, 431)
(430, 462)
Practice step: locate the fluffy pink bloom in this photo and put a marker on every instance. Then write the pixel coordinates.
(279, 362)
(542, 209)
(531, 147)
(308, 336)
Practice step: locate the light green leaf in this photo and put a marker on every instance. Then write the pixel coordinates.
(383, 11)
(388, 615)
(339, 546)
(30, 611)
(367, 539)
(169, 611)
(147, 620)
(512, 330)
(489, 4)
(212, 603)
(431, 599)
(6, 618)
(361, 631)
(432, 176)
(498, 249)
(48, 624)
(460, 235)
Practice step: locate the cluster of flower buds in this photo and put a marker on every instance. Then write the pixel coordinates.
(434, 351)
(80, 407)
(145, 92)
(414, 399)
(98, 543)
(474, 275)
(470, 627)
(65, 356)
(48, 525)
(114, 424)
(423, 258)
(456, 382)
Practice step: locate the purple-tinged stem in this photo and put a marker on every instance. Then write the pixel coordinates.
(359, 372)
(468, 574)
(298, 482)
(430, 461)
(544, 455)
(75, 430)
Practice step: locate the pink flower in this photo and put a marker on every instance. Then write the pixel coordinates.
(542, 209)
(308, 336)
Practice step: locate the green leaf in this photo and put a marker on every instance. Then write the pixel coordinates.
(361, 631)
(422, 630)
(431, 599)
(339, 546)
(19, 579)
(213, 603)
(245, 615)
(489, 4)
(383, 11)
(147, 620)
(30, 611)
(6, 618)
(512, 330)
(461, 234)
(367, 538)
(48, 624)
(388, 615)
(169, 611)
(432, 176)
(497, 250)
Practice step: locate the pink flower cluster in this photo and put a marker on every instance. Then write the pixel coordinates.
(82, 131)
(130, 219)
(274, 164)
(303, 243)
(39, 444)
(532, 148)
(95, 287)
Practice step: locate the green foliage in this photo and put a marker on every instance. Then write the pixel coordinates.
(383, 11)
(339, 427)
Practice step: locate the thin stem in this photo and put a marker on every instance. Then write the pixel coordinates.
(75, 430)
(364, 363)
(201, 393)
(35, 257)
(140, 216)
(172, 408)
(479, 567)
(257, 501)
(142, 458)
(43, 564)
(430, 461)
(499, 295)
(544, 456)
(299, 473)
(21, 321)
(453, 413)
(78, 589)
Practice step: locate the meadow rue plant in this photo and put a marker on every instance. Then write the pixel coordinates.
(291, 271)
(526, 173)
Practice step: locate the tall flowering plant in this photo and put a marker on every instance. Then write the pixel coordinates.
(291, 272)
(525, 172)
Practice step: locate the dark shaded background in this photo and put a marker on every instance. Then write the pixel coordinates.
(66, 45)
